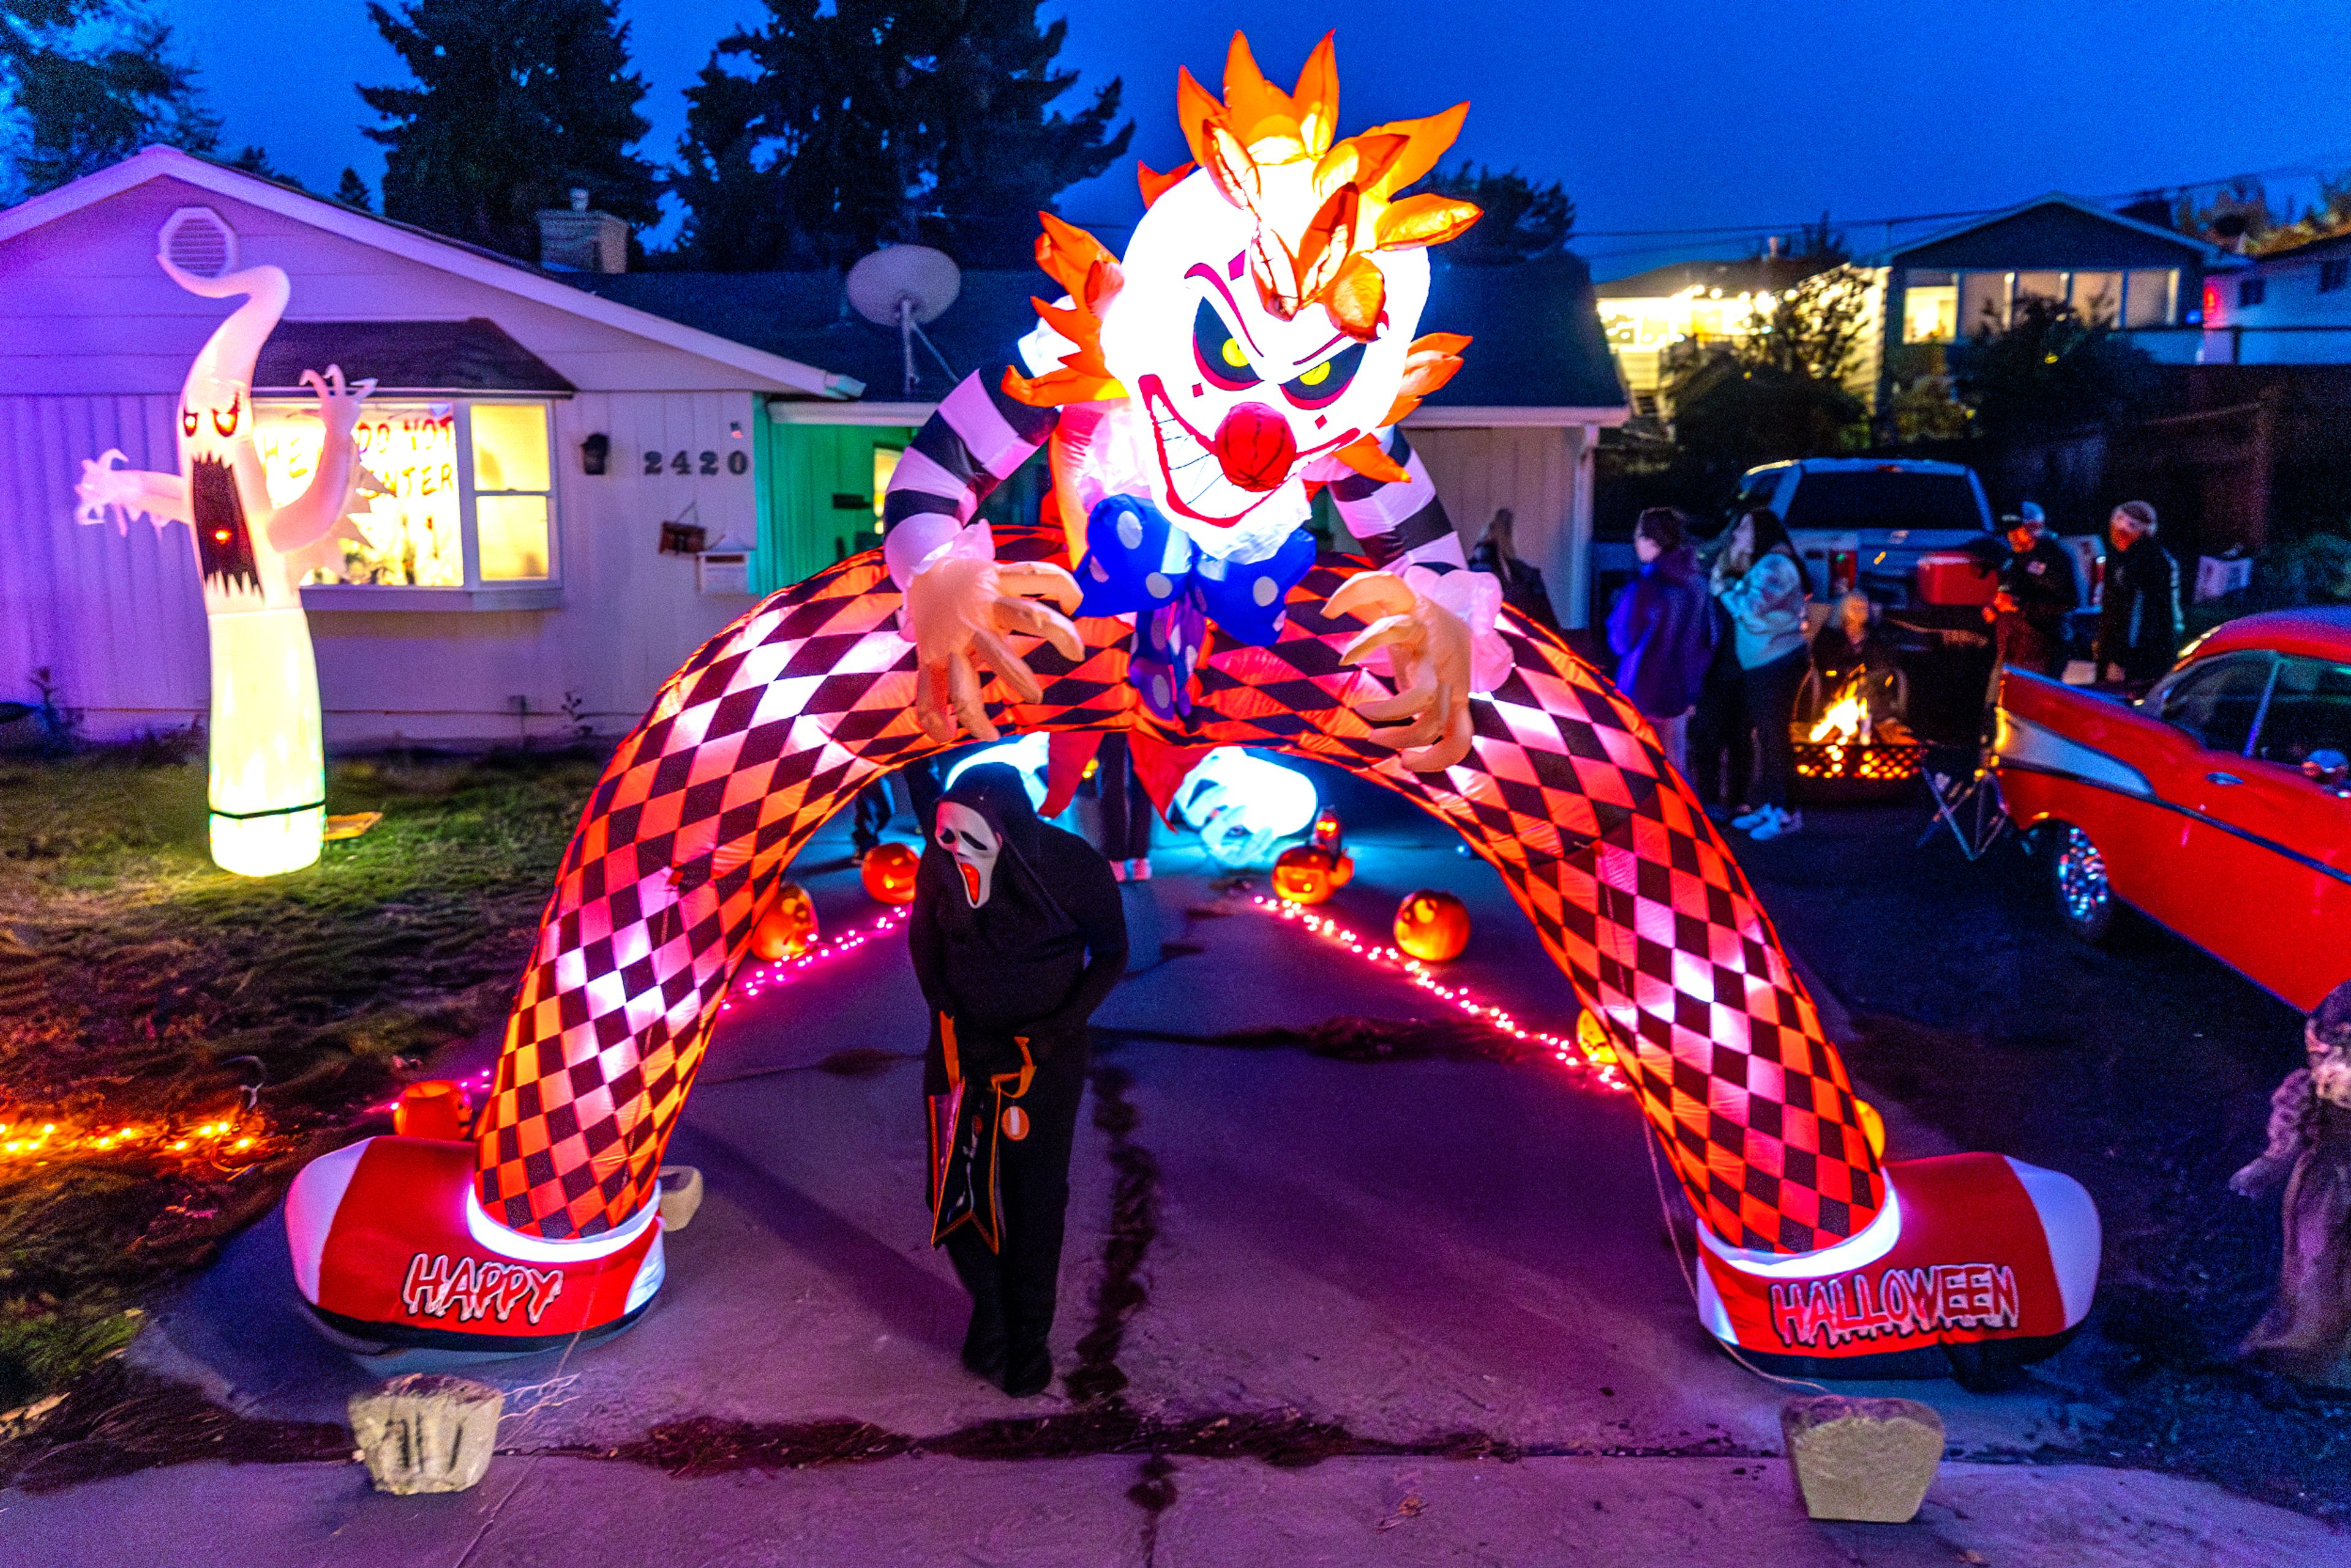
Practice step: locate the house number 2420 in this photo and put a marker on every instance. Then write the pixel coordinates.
(685, 462)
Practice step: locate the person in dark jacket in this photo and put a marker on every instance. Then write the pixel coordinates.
(1662, 630)
(2138, 615)
(1523, 585)
(1849, 644)
(2038, 589)
(1018, 933)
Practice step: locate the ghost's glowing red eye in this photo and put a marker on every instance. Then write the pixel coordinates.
(188, 420)
(224, 424)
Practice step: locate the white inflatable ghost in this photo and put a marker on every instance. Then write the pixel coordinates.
(267, 787)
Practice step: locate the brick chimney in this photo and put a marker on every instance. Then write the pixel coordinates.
(582, 240)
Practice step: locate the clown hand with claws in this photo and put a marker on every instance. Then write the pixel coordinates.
(1255, 343)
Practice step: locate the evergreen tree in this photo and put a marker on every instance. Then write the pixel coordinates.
(1521, 218)
(353, 190)
(827, 132)
(86, 84)
(516, 103)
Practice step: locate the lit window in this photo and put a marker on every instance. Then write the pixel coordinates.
(1983, 302)
(2333, 275)
(1930, 307)
(2151, 300)
(2041, 286)
(2251, 291)
(2098, 296)
(510, 490)
(408, 519)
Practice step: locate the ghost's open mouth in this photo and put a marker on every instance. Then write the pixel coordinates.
(970, 882)
(1196, 485)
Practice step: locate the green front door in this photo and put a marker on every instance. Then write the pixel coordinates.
(817, 489)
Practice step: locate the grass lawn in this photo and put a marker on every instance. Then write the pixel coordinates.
(235, 1027)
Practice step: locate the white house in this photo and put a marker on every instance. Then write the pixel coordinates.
(2287, 307)
(555, 444)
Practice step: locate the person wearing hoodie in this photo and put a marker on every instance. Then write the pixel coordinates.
(1765, 601)
(1662, 630)
(1018, 933)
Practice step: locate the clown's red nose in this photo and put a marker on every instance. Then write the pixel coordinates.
(1255, 448)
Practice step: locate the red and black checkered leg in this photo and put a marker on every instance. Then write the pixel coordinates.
(780, 719)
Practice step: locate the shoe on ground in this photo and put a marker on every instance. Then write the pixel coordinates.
(1779, 825)
(1142, 864)
(1746, 821)
(1118, 870)
(984, 1344)
(1028, 1369)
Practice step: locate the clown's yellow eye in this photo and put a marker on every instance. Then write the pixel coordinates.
(1231, 354)
(1317, 376)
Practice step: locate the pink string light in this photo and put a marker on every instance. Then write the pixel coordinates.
(763, 977)
(1600, 1064)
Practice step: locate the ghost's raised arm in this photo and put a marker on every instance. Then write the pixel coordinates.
(125, 493)
(312, 515)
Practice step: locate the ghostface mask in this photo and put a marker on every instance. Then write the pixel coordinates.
(966, 835)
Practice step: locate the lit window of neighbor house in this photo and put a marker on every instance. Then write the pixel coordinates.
(2049, 286)
(1931, 307)
(2333, 275)
(2251, 291)
(1983, 302)
(2152, 299)
(2098, 296)
(451, 495)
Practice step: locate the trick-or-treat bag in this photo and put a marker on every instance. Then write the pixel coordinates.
(966, 1125)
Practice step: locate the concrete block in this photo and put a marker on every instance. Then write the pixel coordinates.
(426, 1432)
(1868, 1460)
(680, 1196)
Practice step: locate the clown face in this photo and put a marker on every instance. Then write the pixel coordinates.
(966, 835)
(1235, 402)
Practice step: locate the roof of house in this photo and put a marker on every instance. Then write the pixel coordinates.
(1753, 275)
(1538, 344)
(454, 257)
(472, 356)
(2048, 232)
(2326, 249)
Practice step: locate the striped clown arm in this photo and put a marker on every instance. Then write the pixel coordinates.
(1398, 523)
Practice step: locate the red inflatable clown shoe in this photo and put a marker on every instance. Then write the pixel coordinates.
(1977, 1264)
(392, 1250)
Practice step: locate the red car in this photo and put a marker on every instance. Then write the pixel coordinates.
(2216, 804)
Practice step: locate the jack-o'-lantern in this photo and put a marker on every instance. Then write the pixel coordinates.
(1304, 874)
(1432, 926)
(435, 1108)
(888, 873)
(787, 927)
(1329, 833)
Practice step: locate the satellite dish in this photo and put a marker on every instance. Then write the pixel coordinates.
(906, 286)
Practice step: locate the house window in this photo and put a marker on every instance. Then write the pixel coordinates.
(2251, 291)
(2098, 296)
(1931, 307)
(451, 495)
(2152, 299)
(2333, 275)
(1983, 302)
(2049, 286)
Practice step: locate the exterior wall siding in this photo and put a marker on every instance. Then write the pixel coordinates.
(1530, 469)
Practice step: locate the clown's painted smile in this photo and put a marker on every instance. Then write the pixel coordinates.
(1196, 484)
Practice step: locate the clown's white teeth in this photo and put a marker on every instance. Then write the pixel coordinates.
(1214, 495)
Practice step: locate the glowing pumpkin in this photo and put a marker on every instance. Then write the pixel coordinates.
(1329, 833)
(888, 873)
(1304, 874)
(788, 928)
(435, 1108)
(1432, 926)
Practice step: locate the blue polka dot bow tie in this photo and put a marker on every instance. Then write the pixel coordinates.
(1138, 563)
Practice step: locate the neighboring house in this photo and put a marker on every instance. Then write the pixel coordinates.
(1649, 316)
(2141, 277)
(1517, 427)
(550, 439)
(2286, 307)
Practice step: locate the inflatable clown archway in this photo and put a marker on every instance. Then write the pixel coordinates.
(1256, 339)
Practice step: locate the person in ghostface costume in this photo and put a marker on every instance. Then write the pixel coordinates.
(1018, 933)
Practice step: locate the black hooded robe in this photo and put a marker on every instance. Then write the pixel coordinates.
(1032, 963)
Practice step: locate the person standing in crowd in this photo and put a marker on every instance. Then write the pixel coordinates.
(1126, 809)
(2038, 589)
(1017, 933)
(2138, 617)
(875, 806)
(1766, 606)
(1722, 753)
(1662, 630)
(1523, 585)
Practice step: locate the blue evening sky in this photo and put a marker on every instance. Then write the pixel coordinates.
(1657, 114)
